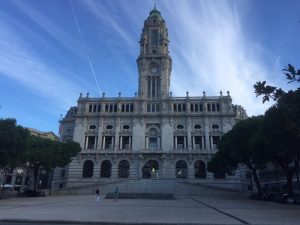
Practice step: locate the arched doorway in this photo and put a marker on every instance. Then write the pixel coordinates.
(88, 169)
(105, 169)
(123, 170)
(181, 169)
(151, 169)
(200, 169)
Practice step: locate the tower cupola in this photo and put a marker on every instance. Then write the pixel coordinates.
(154, 62)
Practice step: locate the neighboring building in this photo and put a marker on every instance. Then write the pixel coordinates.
(46, 135)
(151, 135)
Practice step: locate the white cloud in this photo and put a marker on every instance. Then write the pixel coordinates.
(210, 52)
(19, 62)
(59, 33)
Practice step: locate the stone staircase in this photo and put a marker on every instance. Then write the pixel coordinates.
(174, 186)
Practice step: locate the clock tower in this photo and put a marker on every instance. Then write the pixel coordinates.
(154, 62)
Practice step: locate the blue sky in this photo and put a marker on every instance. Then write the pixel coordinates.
(215, 45)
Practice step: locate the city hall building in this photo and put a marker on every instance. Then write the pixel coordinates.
(153, 135)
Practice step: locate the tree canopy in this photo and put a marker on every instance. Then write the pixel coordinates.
(13, 143)
(241, 145)
(17, 146)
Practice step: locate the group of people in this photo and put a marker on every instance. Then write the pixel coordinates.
(116, 194)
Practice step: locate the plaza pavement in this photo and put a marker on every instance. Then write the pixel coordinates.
(183, 210)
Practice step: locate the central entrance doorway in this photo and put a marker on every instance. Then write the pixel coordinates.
(151, 169)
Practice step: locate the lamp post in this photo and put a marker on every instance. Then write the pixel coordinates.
(42, 178)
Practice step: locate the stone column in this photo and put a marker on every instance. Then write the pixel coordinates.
(193, 140)
(121, 142)
(103, 143)
(206, 124)
(189, 132)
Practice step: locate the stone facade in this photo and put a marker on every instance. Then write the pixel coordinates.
(151, 135)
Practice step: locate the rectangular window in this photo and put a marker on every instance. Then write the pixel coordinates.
(198, 142)
(213, 107)
(192, 107)
(201, 107)
(218, 107)
(91, 141)
(125, 142)
(154, 37)
(180, 142)
(175, 107)
(153, 88)
(153, 107)
(208, 107)
(149, 87)
(95, 108)
(153, 143)
(179, 107)
(214, 140)
(148, 107)
(108, 142)
(99, 108)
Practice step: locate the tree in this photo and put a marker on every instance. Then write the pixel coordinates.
(282, 135)
(48, 154)
(241, 145)
(282, 124)
(13, 145)
(272, 92)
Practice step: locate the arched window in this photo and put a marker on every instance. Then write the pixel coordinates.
(105, 169)
(151, 169)
(88, 169)
(200, 169)
(123, 171)
(181, 169)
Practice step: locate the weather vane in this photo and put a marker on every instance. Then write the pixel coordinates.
(154, 1)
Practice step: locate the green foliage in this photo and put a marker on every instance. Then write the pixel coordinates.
(272, 92)
(13, 143)
(242, 144)
(281, 129)
(17, 146)
(291, 74)
(49, 153)
(268, 91)
(68, 150)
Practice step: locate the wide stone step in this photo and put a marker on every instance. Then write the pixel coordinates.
(177, 187)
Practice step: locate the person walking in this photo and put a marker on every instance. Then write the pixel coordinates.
(97, 194)
(116, 194)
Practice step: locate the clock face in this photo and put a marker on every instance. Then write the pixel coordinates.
(154, 69)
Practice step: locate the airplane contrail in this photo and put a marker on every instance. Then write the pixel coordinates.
(84, 45)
